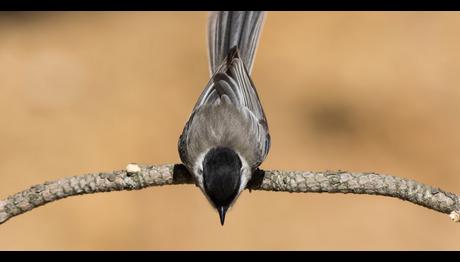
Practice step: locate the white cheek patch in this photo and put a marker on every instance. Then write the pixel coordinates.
(245, 174)
(198, 169)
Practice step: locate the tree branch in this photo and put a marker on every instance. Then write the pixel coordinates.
(141, 176)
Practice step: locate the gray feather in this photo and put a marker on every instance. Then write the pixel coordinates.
(227, 29)
(228, 112)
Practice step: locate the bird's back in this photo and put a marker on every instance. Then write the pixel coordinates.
(221, 125)
(228, 112)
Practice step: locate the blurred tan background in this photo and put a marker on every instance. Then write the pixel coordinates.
(358, 91)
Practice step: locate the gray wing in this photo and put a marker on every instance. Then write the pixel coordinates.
(232, 84)
(232, 81)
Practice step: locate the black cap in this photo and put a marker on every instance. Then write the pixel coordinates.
(221, 178)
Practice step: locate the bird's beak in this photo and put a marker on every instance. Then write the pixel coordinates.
(222, 211)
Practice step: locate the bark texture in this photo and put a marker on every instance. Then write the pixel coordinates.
(141, 176)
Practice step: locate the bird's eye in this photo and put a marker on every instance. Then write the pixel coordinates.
(200, 171)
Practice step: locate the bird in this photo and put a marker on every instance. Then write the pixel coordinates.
(226, 137)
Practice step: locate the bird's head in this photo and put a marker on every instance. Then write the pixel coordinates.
(222, 178)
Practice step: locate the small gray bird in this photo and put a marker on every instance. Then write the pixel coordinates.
(226, 137)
